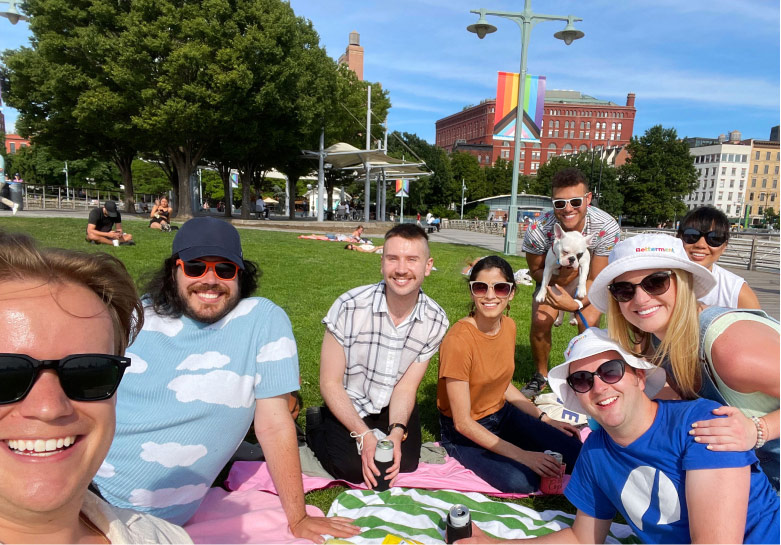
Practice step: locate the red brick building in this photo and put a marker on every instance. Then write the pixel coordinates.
(353, 55)
(14, 142)
(572, 122)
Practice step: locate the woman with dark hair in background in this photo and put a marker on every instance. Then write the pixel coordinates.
(486, 423)
(704, 232)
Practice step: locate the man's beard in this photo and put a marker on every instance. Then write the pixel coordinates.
(208, 318)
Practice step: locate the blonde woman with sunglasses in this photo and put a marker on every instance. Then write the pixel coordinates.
(486, 423)
(650, 290)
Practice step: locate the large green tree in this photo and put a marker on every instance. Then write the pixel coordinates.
(72, 94)
(658, 174)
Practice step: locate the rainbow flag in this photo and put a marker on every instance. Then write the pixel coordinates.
(506, 107)
(402, 188)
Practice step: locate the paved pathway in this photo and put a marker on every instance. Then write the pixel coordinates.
(764, 284)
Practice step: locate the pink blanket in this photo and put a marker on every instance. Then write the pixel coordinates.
(248, 516)
(451, 476)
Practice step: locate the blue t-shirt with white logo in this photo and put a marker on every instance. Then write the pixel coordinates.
(646, 481)
(187, 401)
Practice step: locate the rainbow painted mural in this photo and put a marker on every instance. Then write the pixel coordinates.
(507, 100)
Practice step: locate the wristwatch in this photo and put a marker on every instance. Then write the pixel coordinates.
(399, 425)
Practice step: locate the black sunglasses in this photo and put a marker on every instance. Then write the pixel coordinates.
(83, 377)
(654, 284)
(714, 239)
(609, 372)
(225, 270)
(501, 289)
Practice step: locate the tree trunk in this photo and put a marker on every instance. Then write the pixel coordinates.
(245, 180)
(293, 185)
(185, 159)
(124, 162)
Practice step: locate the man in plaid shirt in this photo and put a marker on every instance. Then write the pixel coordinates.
(377, 344)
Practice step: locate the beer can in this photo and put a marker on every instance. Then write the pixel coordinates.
(554, 485)
(458, 524)
(384, 451)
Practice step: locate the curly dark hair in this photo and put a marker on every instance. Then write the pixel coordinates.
(568, 177)
(161, 291)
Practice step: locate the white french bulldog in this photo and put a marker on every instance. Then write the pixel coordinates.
(569, 250)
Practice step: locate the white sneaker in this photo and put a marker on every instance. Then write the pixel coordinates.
(15, 209)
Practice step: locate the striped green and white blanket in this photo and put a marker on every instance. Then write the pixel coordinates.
(418, 514)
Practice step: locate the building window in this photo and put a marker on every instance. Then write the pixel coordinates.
(721, 195)
(505, 154)
(731, 184)
(729, 196)
(751, 196)
(588, 135)
(761, 197)
(756, 156)
(555, 134)
(619, 125)
(557, 124)
(728, 208)
(767, 167)
(583, 148)
(756, 168)
(552, 146)
(764, 182)
(12, 147)
(580, 135)
(767, 156)
(753, 182)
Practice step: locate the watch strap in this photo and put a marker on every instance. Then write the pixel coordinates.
(398, 425)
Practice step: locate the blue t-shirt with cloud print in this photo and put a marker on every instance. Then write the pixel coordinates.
(187, 401)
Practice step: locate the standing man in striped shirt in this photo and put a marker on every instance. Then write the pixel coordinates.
(377, 344)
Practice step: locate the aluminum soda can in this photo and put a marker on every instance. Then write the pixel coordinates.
(554, 485)
(383, 459)
(458, 524)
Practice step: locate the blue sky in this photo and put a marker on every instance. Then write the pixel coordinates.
(704, 67)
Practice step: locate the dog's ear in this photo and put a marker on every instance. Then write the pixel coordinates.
(589, 238)
(558, 231)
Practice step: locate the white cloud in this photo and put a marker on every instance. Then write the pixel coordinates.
(280, 349)
(172, 454)
(218, 387)
(207, 360)
(137, 365)
(106, 470)
(165, 497)
(167, 326)
(242, 309)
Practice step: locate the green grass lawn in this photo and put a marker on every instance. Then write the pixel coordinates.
(305, 277)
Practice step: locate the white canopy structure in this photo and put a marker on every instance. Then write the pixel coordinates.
(364, 162)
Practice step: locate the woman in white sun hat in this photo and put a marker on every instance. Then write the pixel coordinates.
(649, 291)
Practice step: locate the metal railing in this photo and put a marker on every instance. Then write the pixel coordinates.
(487, 227)
(40, 197)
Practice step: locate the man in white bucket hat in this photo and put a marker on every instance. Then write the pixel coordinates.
(643, 463)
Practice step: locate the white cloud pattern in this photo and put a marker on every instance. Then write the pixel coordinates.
(167, 326)
(207, 360)
(280, 349)
(244, 307)
(106, 470)
(218, 387)
(172, 454)
(165, 497)
(137, 365)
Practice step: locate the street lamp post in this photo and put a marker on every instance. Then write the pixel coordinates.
(463, 188)
(13, 14)
(526, 21)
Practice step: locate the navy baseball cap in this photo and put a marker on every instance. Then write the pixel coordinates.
(205, 236)
(111, 208)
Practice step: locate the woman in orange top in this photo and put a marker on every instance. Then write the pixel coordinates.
(486, 423)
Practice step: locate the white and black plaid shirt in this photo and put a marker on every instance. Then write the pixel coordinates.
(377, 352)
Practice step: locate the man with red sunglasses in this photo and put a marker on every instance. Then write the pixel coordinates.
(572, 210)
(643, 462)
(209, 359)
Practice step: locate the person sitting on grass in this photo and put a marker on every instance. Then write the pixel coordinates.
(161, 216)
(486, 423)
(104, 226)
(65, 320)
(704, 232)
(644, 464)
(365, 248)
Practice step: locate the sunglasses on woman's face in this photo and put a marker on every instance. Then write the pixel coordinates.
(224, 270)
(480, 289)
(654, 284)
(712, 238)
(83, 377)
(609, 372)
(575, 202)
